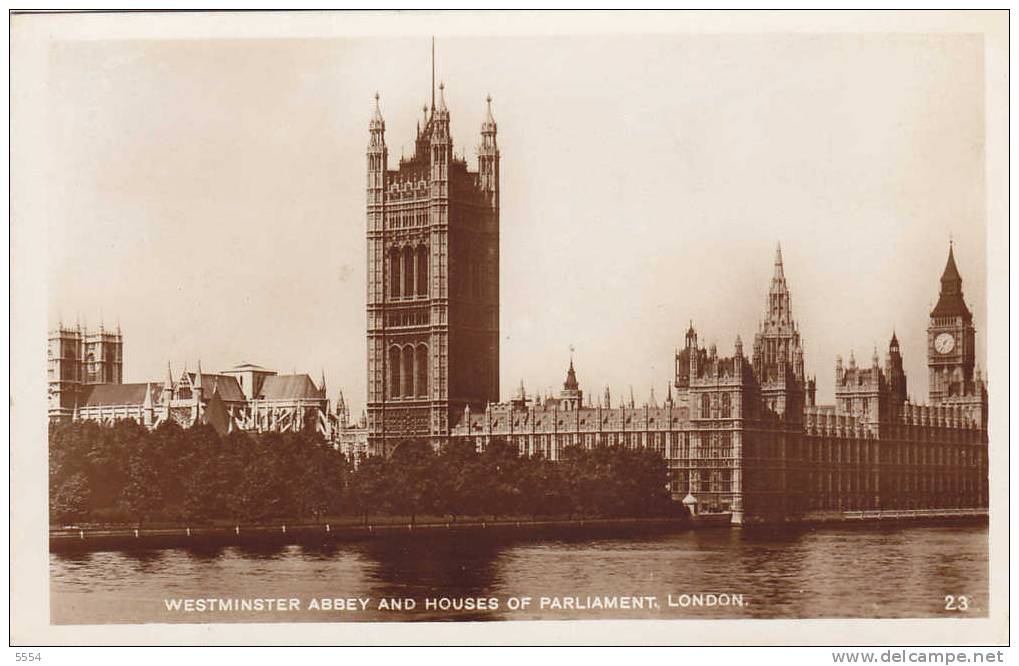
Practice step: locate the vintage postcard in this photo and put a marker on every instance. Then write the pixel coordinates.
(486, 327)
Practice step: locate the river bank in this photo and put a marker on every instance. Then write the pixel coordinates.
(129, 538)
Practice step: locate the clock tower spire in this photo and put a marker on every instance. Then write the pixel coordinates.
(951, 339)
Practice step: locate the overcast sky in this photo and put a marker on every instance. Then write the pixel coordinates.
(209, 195)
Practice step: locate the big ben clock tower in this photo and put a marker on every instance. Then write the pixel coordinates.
(951, 346)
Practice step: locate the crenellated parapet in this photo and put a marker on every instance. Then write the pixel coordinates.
(944, 415)
(551, 418)
(829, 421)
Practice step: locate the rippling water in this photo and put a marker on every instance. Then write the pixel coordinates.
(864, 572)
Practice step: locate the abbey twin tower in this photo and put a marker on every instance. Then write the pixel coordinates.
(743, 436)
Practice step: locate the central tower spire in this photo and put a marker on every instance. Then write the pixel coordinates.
(433, 72)
(778, 353)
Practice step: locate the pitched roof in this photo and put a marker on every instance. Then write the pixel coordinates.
(108, 395)
(248, 366)
(217, 415)
(229, 389)
(950, 301)
(289, 387)
(951, 273)
(951, 304)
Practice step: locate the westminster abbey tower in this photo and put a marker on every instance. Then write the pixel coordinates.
(433, 280)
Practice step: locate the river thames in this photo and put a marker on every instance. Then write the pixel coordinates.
(827, 572)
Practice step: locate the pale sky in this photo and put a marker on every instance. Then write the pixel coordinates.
(210, 194)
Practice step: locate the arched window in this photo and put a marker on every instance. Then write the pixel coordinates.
(394, 372)
(422, 254)
(705, 406)
(408, 371)
(726, 405)
(395, 279)
(408, 271)
(421, 379)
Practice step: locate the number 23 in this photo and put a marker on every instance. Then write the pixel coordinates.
(954, 603)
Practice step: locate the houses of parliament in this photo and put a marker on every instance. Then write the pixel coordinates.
(743, 435)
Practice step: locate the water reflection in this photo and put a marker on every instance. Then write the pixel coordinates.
(205, 553)
(851, 572)
(144, 561)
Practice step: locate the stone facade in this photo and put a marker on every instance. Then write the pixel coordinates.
(433, 281)
(744, 437)
(77, 359)
(246, 398)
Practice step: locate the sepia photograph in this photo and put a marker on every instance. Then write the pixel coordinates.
(503, 322)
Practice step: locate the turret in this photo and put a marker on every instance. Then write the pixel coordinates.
(378, 156)
(488, 155)
(168, 385)
(571, 397)
(894, 371)
(342, 414)
(440, 146)
(571, 379)
(148, 411)
(198, 389)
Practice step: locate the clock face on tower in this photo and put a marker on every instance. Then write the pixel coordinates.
(944, 343)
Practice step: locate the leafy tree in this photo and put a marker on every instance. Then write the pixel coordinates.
(142, 495)
(501, 465)
(413, 484)
(460, 481)
(70, 502)
(367, 490)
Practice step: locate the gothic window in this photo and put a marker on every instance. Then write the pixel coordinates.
(726, 444)
(421, 381)
(394, 372)
(408, 272)
(422, 275)
(408, 372)
(705, 406)
(395, 279)
(726, 405)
